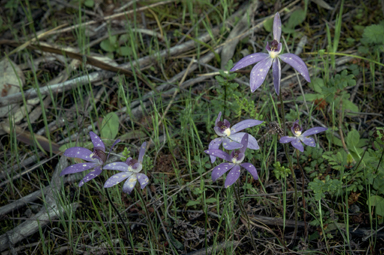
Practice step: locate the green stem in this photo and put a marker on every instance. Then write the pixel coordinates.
(148, 216)
(127, 231)
(237, 194)
(302, 195)
(290, 163)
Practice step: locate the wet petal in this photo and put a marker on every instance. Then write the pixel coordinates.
(232, 176)
(313, 131)
(129, 185)
(259, 72)
(276, 71)
(78, 152)
(231, 145)
(297, 144)
(93, 174)
(287, 139)
(97, 143)
(277, 27)
(252, 143)
(119, 166)
(142, 152)
(297, 63)
(116, 179)
(308, 141)
(221, 169)
(251, 169)
(245, 124)
(76, 168)
(143, 180)
(214, 145)
(219, 154)
(249, 60)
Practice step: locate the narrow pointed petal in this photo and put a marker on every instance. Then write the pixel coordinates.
(313, 131)
(308, 141)
(129, 185)
(244, 142)
(214, 145)
(119, 166)
(276, 71)
(218, 118)
(259, 72)
(252, 143)
(116, 179)
(77, 168)
(113, 145)
(93, 174)
(277, 27)
(97, 143)
(297, 144)
(221, 169)
(251, 169)
(232, 176)
(143, 180)
(231, 145)
(297, 63)
(142, 151)
(296, 125)
(249, 60)
(287, 139)
(78, 152)
(245, 124)
(218, 153)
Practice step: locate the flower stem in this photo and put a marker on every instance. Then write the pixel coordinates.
(148, 216)
(290, 163)
(127, 231)
(237, 194)
(302, 194)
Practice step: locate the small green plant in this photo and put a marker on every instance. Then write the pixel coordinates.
(280, 171)
(328, 185)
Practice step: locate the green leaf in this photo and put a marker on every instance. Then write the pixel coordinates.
(374, 34)
(110, 126)
(192, 203)
(349, 106)
(211, 200)
(89, 3)
(310, 97)
(268, 24)
(125, 51)
(296, 18)
(352, 138)
(107, 46)
(378, 202)
(134, 134)
(317, 84)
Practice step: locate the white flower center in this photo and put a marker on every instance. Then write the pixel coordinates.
(227, 132)
(273, 54)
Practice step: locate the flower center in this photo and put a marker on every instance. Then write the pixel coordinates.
(227, 131)
(297, 131)
(99, 155)
(274, 45)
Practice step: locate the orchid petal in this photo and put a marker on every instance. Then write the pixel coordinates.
(231, 145)
(218, 118)
(297, 144)
(221, 169)
(287, 139)
(232, 176)
(142, 152)
(251, 169)
(308, 141)
(249, 60)
(119, 166)
(143, 180)
(244, 142)
(245, 124)
(252, 143)
(218, 153)
(129, 185)
(276, 71)
(259, 72)
(116, 179)
(295, 125)
(313, 131)
(78, 152)
(297, 63)
(219, 132)
(76, 168)
(93, 174)
(277, 27)
(97, 143)
(214, 145)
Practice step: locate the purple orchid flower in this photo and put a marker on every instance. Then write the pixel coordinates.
(230, 137)
(301, 137)
(259, 71)
(96, 158)
(129, 169)
(236, 158)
